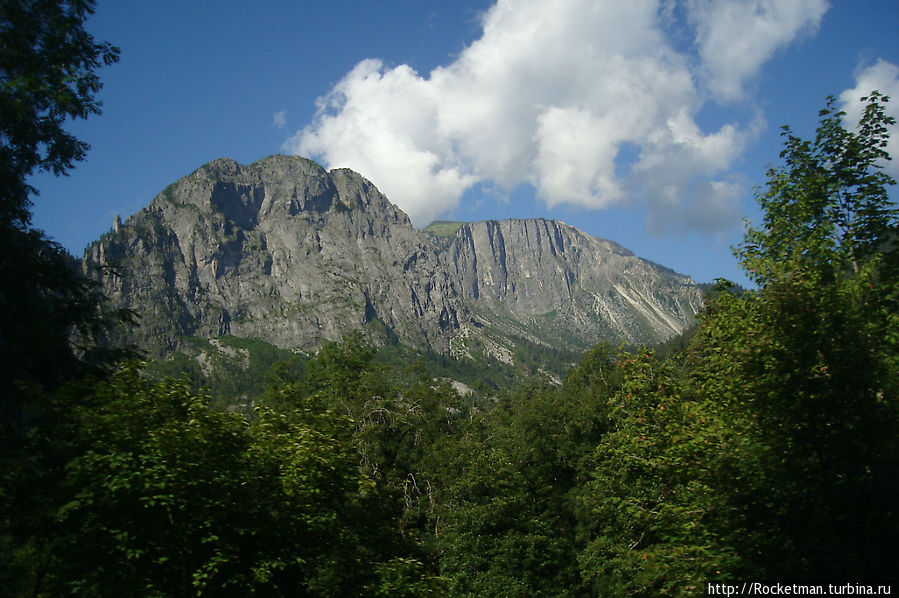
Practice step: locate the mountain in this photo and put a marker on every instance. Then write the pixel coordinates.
(279, 250)
(285, 252)
(550, 282)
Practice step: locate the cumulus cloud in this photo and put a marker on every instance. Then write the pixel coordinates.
(735, 37)
(585, 100)
(883, 77)
(279, 119)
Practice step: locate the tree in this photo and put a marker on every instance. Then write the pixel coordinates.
(508, 524)
(650, 513)
(136, 488)
(505, 526)
(827, 208)
(803, 372)
(50, 316)
(47, 71)
(772, 454)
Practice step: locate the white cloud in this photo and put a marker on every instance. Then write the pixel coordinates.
(735, 37)
(383, 125)
(883, 77)
(279, 120)
(548, 96)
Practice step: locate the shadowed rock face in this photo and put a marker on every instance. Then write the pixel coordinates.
(283, 251)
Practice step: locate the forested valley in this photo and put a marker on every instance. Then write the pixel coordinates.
(762, 445)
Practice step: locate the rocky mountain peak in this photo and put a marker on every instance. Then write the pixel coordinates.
(279, 250)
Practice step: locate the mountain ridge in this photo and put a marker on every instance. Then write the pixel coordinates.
(284, 251)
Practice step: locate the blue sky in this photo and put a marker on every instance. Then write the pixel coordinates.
(647, 122)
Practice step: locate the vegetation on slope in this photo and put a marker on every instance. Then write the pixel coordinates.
(443, 228)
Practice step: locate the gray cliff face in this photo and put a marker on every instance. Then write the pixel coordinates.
(283, 251)
(279, 250)
(558, 283)
(519, 264)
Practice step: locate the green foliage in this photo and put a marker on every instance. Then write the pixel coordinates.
(651, 513)
(827, 208)
(52, 325)
(505, 528)
(486, 375)
(404, 577)
(508, 526)
(806, 375)
(47, 65)
(236, 371)
(804, 370)
(405, 424)
(768, 451)
(339, 368)
(138, 488)
(50, 318)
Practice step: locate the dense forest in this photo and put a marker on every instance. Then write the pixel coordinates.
(764, 445)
